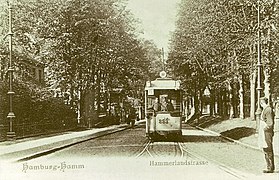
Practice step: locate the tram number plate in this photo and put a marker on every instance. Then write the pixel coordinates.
(164, 121)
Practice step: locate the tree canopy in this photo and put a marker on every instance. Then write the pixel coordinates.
(84, 46)
(217, 40)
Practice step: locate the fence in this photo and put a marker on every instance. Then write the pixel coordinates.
(28, 130)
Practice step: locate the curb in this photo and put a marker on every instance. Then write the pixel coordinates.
(68, 143)
(232, 140)
(52, 150)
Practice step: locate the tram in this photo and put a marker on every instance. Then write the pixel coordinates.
(163, 107)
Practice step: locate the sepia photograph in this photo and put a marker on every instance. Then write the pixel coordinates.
(139, 89)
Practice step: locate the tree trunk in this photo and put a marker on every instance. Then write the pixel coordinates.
(226, 108)
(98, 93)
(217, 104)
(89, 110)
(235, 101)
(79, 107)
(72, 94)
(201, 101)
(267, 69)
(226, 102)
(212, 101)
(241, 97)
(196, 105)
(186, 109)
(220, 99)
(215, 110)
(267, 93)
(230, 100)
(109, 101)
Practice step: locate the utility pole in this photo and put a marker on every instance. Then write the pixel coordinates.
(11, 115)
(259, 65)
(163, 59)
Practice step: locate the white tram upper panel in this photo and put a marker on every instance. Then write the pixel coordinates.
(162, 83)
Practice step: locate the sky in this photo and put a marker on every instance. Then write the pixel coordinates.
(158, 19)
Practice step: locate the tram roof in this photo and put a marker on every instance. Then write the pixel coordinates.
(163, 83)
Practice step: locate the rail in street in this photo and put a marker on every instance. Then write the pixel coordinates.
(214, 154)
(180, 150)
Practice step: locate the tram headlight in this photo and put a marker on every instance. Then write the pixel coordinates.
(163, 74)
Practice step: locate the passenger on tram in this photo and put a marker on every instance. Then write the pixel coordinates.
(169, 105)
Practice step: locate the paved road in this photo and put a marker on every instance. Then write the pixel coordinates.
(230, 154)
(129, 155)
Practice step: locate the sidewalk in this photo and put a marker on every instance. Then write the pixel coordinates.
(24, 148)
(241, 131)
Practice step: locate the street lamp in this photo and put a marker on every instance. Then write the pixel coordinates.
(259, 65)
(11, 115)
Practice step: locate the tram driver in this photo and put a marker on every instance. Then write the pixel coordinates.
(156, 105)
(167, 105)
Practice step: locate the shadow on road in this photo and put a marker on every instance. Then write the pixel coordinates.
(206, 121)
(239, 132)
(191, 139)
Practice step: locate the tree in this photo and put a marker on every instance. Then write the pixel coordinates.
(215, 44)
(88, 48)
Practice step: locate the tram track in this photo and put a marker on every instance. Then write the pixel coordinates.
(145, 149)
(149, 148)
(180, 151)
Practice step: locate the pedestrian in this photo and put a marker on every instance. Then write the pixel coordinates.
(132, 117)
(266, 132)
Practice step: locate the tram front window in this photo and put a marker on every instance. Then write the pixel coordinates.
(164, 101)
